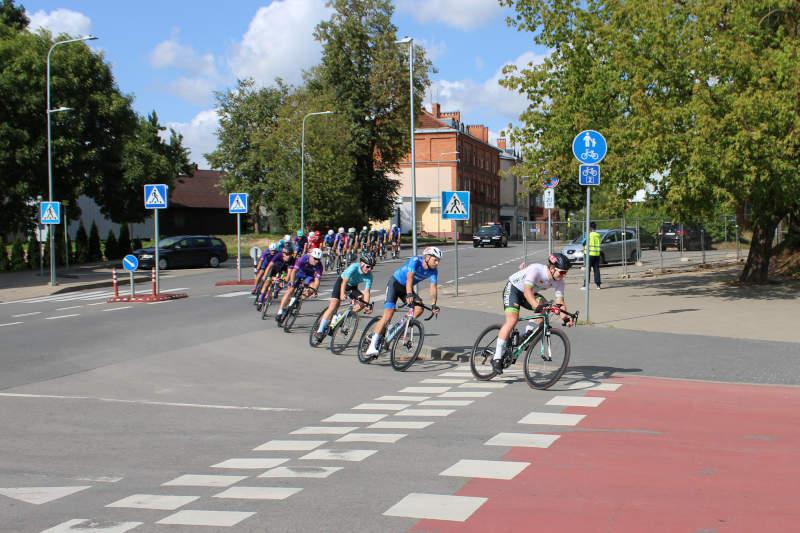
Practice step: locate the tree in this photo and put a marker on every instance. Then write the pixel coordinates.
(697, 99)
(17, 261)
(111, 248)
(94, 252)
(81, 245)
(34, 255)
(4, 262)
(13, 17)
(124, 239)
(366, 73)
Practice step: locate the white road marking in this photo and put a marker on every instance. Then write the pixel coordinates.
(96, 303)
(232, 294)
(425, 412)
(402, 398)
(457, 375)
(117, 308)
(40, 495)
(551, 419)
(484, 385)
(101, 479)
(486, 469)
(354, 417)
(248, 463)
(258, 493)
(289, 445)
(301, 471)
(68, 308)
(10, 324)
(195, 480)
(146, 402)
(400, 425)
(206, 518)
(388, 438)
(447, 403)
(382, 406)
(62, 316)
(585, 385)
(26, 314)
(338, 455)
(465, 394)
(87, 525)
(444, 381)
(436, 507)
(426, 390)
(576, 401)
(527, 440)
(153, 501)
(323, 430)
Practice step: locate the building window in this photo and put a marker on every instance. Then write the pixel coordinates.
(435, 210)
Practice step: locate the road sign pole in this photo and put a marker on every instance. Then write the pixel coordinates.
(525, 241)
(549, 233)
(66, 239)
(133, 287)
(586, 252)
(238, 247)
(455, 241)
(158, 267)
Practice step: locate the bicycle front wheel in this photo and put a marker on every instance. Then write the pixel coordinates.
(365, 340)
(480, 360)
(546, 359)
(312, 335)
(407, 345)
(344, 333)
(291, 316)
(266, 305)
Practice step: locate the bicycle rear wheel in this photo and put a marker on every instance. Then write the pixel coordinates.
(291, 316)
(267, 303)
(365, 340)
(480, 360)
(407, 345)
(344, 333)
(312, 335)
(546, 359)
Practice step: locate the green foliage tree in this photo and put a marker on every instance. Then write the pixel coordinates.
(12, 17)
(4, 262)
(17, 261)
(697, 99)
(81, 245)
(124, 240)
(34, 256)
(111, 247)
(94, 252)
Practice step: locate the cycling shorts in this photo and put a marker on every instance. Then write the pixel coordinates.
(513, 299)
(395, 291)
(351, 290)
(303, 280)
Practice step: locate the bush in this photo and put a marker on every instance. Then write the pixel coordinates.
(124, 242)
(34, 253)
(95, 253)
(4, 263)
(112, 248)
(18, 256)
(81, 245)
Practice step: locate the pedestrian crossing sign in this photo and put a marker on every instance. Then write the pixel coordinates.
(456, 205)
(50, 212)
(155, 196)
(237, 203)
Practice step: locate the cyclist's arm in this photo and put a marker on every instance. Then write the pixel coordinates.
(409, 284)
(434, 293)
(343, 289)
(530, 296)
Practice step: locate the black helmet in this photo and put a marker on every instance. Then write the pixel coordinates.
(368, 258)
(559, 261)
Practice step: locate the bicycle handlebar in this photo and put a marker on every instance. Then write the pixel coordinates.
(422, 305)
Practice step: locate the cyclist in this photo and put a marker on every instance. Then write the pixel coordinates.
(347, 286)
(352, 243)
(362, 238)
(522, 290)
(278, 266)
(263, 261)
(401, 286)
(329, 239)
(372, 239)
(382, 241)
(394, 236)
(301, 243)
(314, 240)
(306, 270)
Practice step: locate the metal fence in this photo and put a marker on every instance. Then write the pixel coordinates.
(641, 246)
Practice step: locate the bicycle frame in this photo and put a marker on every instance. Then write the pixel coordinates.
(540, 333)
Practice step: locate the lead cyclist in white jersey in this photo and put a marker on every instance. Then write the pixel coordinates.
(522, 289)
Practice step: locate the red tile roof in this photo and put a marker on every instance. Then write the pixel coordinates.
(199, 190)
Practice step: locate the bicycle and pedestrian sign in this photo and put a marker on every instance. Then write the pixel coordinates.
(155, 196)
(50, 212)
(589, 174)
(130, 262)
(456, 205)
(237, 203)
(589, 147)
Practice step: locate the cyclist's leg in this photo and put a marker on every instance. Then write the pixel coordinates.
(389, 306)
(511, 305)
(289, 292)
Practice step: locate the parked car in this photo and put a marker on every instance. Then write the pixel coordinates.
(184, 251)
(647, 240)
(612, 244)
(669, 236)
(490, 234)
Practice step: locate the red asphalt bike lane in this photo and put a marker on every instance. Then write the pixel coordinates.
(658, 455)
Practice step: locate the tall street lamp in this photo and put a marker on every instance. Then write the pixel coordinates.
(303, 167)
(410, 42)
(50, 148)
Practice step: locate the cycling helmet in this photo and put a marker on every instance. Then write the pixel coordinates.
(434, 251)
(559, 261)
(300, 233)
(330, 231)
(394, 226)
(287, 238)
(364, 228)
(273, 247)
(351, 230)
(316, 253)
(368, 258)
(341, 230)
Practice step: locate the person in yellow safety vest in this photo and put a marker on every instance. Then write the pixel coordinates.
(593, 253)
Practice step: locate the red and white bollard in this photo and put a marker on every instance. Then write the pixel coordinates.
(153, 280)
(114, 282)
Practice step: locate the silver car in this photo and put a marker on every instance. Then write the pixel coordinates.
(612, 244)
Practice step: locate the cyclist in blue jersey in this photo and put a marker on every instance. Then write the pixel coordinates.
(346, 286)
(394, 239)
(401, 286)
(329, 238)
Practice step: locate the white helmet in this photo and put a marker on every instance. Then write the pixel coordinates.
(434, 251)
(316, 253)
(341, 230)
(351, 230)
(394, 226)
(273, 247)
(330, 231)
(364, 228)
(287, 238)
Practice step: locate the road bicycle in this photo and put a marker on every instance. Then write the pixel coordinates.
(342, 328)
(403, 339)
(547, 349)
(272, 295)
(291, 313)
(330, 260)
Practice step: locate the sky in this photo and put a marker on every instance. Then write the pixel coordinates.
(172, 55)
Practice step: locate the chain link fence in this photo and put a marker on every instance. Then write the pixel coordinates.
(642, 246)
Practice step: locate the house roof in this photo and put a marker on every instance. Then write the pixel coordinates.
(427, 121)
(199, 190)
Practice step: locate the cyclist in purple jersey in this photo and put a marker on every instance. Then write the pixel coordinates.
(306, 270)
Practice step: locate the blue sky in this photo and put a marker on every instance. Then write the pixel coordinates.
(172, 54)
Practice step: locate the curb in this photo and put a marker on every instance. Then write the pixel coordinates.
(235, 282)
(442, 354)
(94, 285)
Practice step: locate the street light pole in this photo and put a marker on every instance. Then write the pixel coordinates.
(410, 42)
(50, 149)
(303, 167)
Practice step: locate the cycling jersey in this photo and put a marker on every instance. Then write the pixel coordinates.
(329, 240)
(264, 259)
(373, 236)
(382, 235)
(305, 269)
(538, 277)
(396, 234)
(416, 265)
(362, 237)
(355, 276)
(300, 243)
(314, 241)
(279, 263)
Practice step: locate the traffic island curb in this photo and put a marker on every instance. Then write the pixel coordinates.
(235, 282)
(148, 298)
(446, 353)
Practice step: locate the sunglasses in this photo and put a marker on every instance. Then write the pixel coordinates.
(368, 267)
(561, 271)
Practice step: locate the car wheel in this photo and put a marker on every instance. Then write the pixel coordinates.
(474, 245)
(213, 261)
(163, 264)
(505, 245)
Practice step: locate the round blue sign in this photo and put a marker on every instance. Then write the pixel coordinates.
(589, 147)
(130, 262)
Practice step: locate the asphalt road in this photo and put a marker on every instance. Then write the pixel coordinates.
(115, 403)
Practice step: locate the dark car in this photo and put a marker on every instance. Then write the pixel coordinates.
(491, 234)
(184, 251)
(691, 236)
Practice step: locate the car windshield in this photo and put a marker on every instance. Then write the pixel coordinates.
(489, 230)
(168, 242)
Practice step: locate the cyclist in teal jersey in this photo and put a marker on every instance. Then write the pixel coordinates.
(347, 286)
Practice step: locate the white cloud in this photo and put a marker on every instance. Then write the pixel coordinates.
(195, 90)
(199, 135)
(434, 49)
(61, 21)
(279, 41)
(172, 54)
(461, 14)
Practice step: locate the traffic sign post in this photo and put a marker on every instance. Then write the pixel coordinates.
(589, 147)
(456, 208)
(130, 262)
(155, 197)
(237, 204)
(549, 204)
